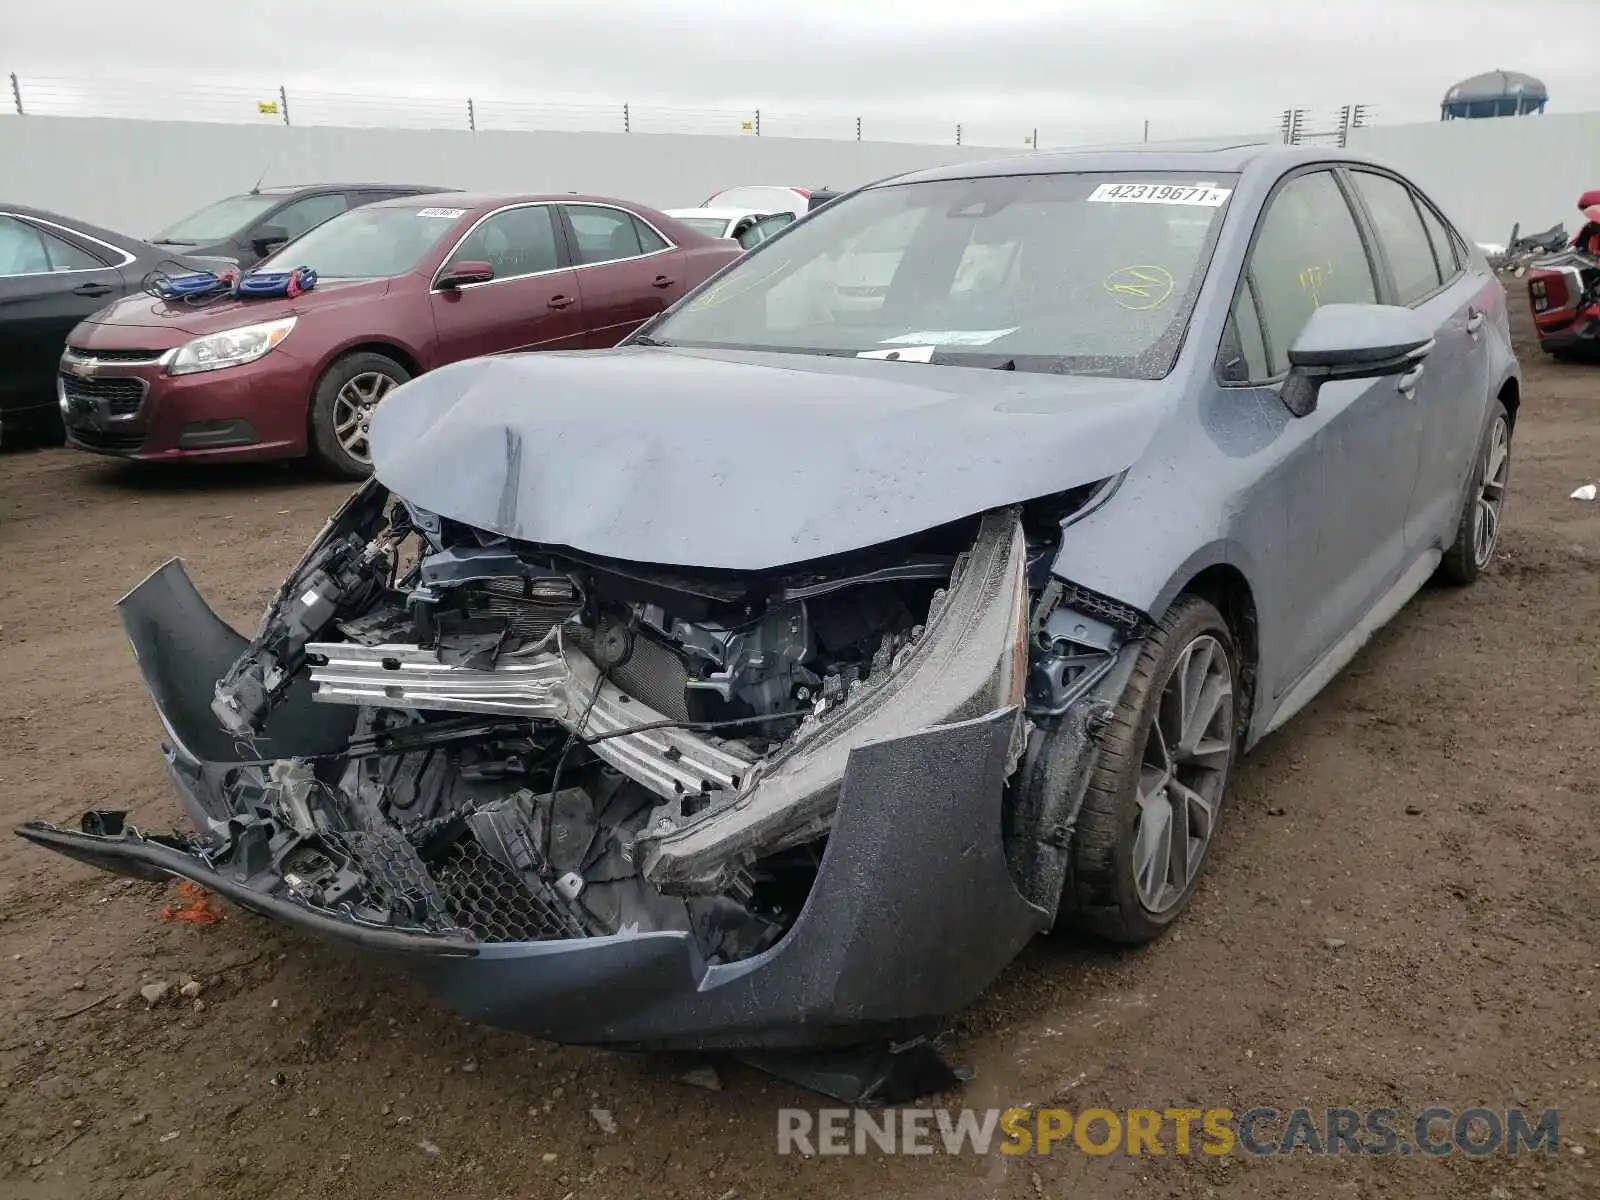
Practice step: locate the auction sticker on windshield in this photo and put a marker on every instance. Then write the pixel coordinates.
(449, 214)
(948, 337)
(1202, 195)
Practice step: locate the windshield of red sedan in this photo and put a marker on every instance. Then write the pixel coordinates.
(368, 243)
(1076, 273)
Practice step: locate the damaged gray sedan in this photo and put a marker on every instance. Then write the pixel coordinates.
(914, 585)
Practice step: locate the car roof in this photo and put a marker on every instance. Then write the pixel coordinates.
(122, 241)
(722, 214)
(289, 189)
(1223, 160)
(473, 200)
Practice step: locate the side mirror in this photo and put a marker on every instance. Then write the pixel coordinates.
(268, 238)
(462, 273)
(1353, 341)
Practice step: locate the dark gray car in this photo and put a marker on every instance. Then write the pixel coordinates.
(768, 682)
(251, 226)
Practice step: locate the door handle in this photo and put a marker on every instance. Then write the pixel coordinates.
(92, 289)
(1407, 383)
(560, 301)
(1475, 322)
(663, 281)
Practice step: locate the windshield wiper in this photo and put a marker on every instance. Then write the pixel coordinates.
(171, 242)
(647, 340)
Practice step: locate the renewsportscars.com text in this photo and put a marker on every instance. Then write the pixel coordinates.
(1261, 1131)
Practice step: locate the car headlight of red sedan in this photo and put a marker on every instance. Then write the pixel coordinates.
(230, 348)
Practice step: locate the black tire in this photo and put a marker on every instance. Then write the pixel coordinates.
(326, 446)
(1101, 896)
(1466, 559)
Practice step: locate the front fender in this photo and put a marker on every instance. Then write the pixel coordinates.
(1146, 557)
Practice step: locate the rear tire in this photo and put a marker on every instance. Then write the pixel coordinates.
(1161, 775)
(1478, 531)
(342, 405)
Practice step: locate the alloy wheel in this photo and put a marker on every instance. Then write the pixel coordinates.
(1184, 768)
(353, 408)
(1491, 494)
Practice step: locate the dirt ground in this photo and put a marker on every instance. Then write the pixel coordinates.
(1400, 911)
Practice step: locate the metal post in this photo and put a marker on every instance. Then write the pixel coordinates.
(1344, 127)
(1034, 141)
(758, 122)
(472, 117)
(858, 120)
(16, 94)
(1147, 131)
(283, 102)
(958, 135)
(627, 120)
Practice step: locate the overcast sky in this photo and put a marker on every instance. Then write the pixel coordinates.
(1072, 67)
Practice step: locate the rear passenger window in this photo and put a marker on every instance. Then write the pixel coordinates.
(1308, 253)
(603, 234)
(1444, 246)
(27, 250)
(309, 213)
(1400, 229)
(649, 240)
(64, 256)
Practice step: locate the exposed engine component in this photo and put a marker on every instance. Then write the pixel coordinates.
(760, 665)
(546, 746)
(345, 570)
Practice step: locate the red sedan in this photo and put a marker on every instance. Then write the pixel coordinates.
(403, 286)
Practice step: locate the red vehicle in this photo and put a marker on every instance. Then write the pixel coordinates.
(404, 286)
(1564, 290)
(1564, 293)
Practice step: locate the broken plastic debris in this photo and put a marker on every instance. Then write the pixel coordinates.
(702, 1077)
(155, 993)
(198, 908)
(1587, 492)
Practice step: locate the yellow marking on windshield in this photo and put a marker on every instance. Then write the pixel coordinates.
(718, 293)
(1140, 288)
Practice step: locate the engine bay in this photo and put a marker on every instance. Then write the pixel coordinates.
(548, 745)
(530, 725)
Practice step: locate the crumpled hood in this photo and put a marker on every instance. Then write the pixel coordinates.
(743, 460)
